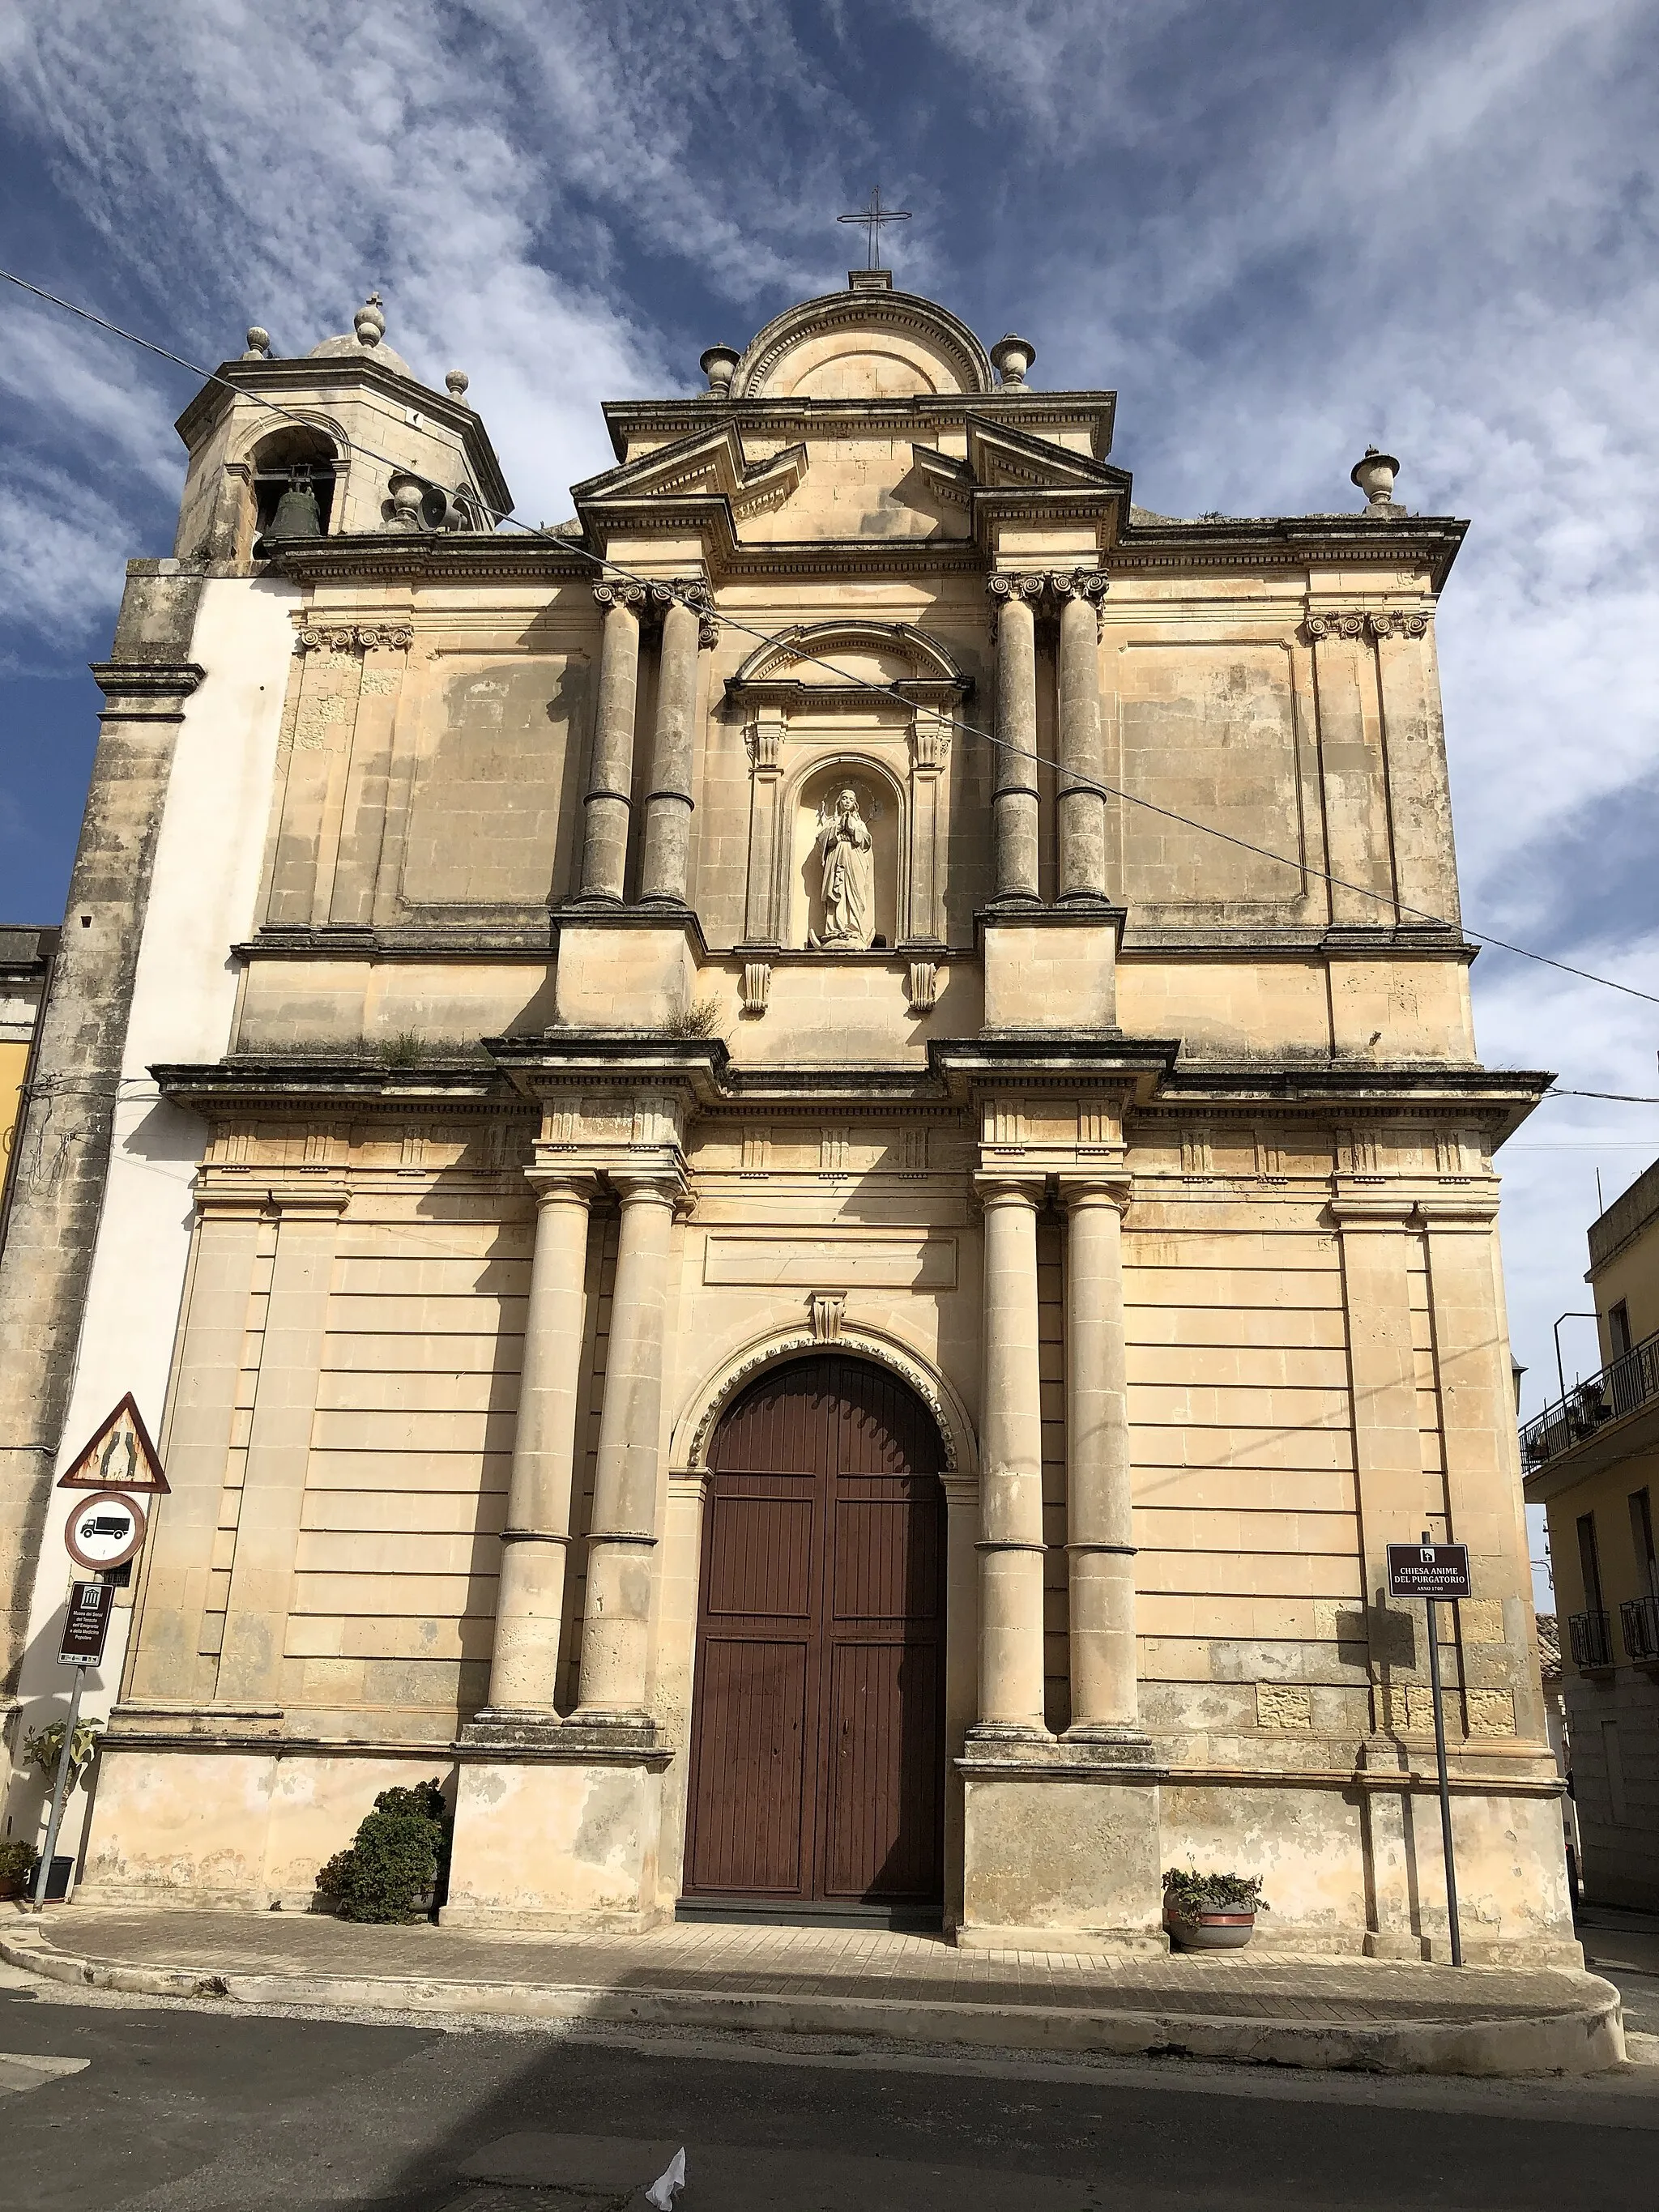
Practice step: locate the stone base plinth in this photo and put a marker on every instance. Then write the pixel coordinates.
(1060, 1849)
(563, 1843)
(624, 968)
(1051, 967)
(235, 1825)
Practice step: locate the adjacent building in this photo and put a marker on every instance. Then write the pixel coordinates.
(796, 1176)
(1592, 1461)
(25, 965)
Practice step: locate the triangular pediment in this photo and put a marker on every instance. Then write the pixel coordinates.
(709, 463)
(1002, 458)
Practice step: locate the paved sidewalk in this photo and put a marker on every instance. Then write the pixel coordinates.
(1261, 2006)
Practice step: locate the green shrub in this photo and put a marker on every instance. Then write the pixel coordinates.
(1187, 1893)
(18, 1862)
(400, 1853)
(702, 1020)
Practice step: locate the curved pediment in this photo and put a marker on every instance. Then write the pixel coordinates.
(833, 660)
(863, 345)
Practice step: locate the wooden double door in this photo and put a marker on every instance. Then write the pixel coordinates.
(817, 1748)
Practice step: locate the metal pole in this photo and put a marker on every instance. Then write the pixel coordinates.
(1445, 1787)
(60, 1788)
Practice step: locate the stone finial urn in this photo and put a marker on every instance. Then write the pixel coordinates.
(719, 364)
(1011, 358)
(1375, 476)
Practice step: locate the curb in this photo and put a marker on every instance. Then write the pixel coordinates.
(1587, 2037)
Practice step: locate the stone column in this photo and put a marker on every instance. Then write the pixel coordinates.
(1082, 805)
(930, 754)
(169, 1660)
(617, 1624)
(535, 1543)
(610, 770)
(1375, 1233)
(1099, 1519)
(1011, 1549)
(762, 923)
(665, 869)
(1014, 806)
(1376, 1238)
(279, 1447)
(1483, 1459)
(1414, 744)
(1356, 840)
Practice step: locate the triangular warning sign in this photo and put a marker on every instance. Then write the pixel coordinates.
(120, 1457)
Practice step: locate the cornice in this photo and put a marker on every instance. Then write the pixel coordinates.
(146, 679)
(532, 941)
(628, 419)
(242, 1078)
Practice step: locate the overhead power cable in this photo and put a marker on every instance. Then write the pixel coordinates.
(1074, 781)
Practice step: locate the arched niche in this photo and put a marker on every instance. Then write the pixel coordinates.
(811, 809)
(860, 699)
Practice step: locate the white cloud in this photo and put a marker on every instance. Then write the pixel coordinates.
(62, 549)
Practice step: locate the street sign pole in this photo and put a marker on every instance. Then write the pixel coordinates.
(1445, 1786)
(60, 1790)
(1436, 1572)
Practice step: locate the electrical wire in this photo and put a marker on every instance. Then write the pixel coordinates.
(1074, 780)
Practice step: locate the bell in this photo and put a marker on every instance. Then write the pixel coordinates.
(297, 514)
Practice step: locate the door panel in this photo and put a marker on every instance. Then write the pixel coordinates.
(749, 1817)
(881, 1809)
(760, 1562)
(818, 1744)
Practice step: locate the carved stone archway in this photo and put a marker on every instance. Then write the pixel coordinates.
(720, 1384)
(892, 707)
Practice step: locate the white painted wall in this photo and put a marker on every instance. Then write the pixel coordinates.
(202, 901)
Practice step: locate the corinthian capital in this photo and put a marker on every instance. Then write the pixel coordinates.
(1392, 624)
(1329, 623)
(1090, 583)
(618, 591)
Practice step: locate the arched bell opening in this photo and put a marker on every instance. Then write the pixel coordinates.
(817, 1759)
(293, 482)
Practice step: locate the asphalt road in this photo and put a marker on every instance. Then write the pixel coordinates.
(189, 2108)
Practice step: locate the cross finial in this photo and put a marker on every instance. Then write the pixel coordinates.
(872, 218)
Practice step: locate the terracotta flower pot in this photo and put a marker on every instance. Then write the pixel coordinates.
(1211, 1931)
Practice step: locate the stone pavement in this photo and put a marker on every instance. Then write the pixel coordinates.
(1264, 2007)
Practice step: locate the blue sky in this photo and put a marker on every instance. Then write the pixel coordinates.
(1278, 229)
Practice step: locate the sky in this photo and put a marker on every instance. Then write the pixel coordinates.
(1280, 230)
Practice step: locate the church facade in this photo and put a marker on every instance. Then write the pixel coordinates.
(741, 1232)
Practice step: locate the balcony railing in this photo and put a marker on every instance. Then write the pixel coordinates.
(1638, 1618)
(1591, 1635)
(1626, 1382)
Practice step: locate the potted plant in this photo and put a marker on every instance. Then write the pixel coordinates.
(1211, 1911)
(44, 1748)
(18, 1861)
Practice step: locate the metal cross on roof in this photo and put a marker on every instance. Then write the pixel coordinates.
(872, 218)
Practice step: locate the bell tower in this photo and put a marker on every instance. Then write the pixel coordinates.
(343, 439)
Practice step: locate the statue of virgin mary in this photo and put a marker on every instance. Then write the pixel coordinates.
(845, 853)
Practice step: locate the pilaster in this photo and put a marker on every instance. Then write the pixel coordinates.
(260, 1600)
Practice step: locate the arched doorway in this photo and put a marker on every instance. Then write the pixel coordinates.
(818, 1744)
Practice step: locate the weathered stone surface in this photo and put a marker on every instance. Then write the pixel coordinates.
(530, 894)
